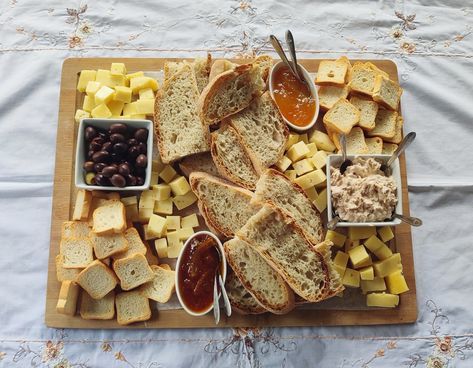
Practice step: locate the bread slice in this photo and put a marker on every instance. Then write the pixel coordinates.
(75, 229)
(362, 79)
(162, 286)
(368, 110)
(171, 68)
(275, 188)
(97, 279)
(241, 300)
(107, 245)
(373, 67)
(387, 92)
(133, 271)
(199, 162)
(386, 121)
(262, 130)
(231, 159)
(65, 274)
(102, 309)
(132, 306)
(77, 252)
(109, 218)
(389, 148)
(220, 66)
(225, 207)
(342, 116)
(265, 63)
(329, 95)
(331, 72)
(178, 128)
(356, 143)
(229, 93)
(375, 145)
(164, 266)
(335, 284)
(282, 243)
(82, 206)
(345, 60)
(67, 300)
(202, 71)
(261, 281)
(397, 138)
(135, 244)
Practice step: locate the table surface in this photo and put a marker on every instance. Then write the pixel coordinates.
(431, 43)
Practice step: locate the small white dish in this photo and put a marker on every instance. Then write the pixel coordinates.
(105, 124)
(313, 90)
(178, 264)
(335, 161)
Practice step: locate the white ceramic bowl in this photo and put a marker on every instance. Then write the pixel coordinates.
(336, 160)
(178, 264)
(105, 124)
(313, 90)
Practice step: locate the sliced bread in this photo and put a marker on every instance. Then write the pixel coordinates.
(97, 279)
(335, 283)
(368, 110)
(261, 281)
(82, 206)
(202, 71)
(331, 72)
(225, 207)
(389, 148)
(385, 127)
(231, 158)
(342, 117)
(67, 300)
(265, 62)
(76, 252)
(375, 145)
(162, 286)
(75, 229)
(132, 306)
(229, 92)
(329, 95)
(109, 218)
(275, 188)
(133, 271)
(373, 67)
(397, 138)
(178, 128)
(362, 79)
(199, 162)
(387, 92)
(262, 130)
(135, 244)
(356, 143)
(107, 245)
(220, 66)
(102, 309)
(241, 300)
(65, 274)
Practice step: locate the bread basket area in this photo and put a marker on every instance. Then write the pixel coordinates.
(232, 167)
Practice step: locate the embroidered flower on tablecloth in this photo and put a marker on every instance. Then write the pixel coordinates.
(2, 355)
(408, 47)
(106, 347)
(444, 346)
(435, 362)
(63, 364)
(52, 351)
(119, 356)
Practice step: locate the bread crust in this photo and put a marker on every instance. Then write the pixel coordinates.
(241, 308)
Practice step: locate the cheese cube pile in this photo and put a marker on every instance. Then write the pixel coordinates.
(115, 94)
(365, 261)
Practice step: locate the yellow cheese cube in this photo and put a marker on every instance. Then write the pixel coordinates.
(321, 185)
(138, 83)
(291, 174)
(321, 201)
(185, 233)
(312, 149)
(385, 233)
(154, 178)
(190, 221)
(128, 201)
(134, 75)
(173, 222)
(116, 107)
(132, 213)
(367, 262)
(118, 69)
(319, 159)
(104, 77)
(183, 201)
(304, 138)
(297, 151)
(149, 235)
(179, 186)
(341, 259)
(336, 238)
(367, 273)
(173, 239)
(311, 193)
(147, 199)
(85, 77)
(161, 192)
(383, 253)
(382, 300)
(157, 225)
(157, 165)
(373, 243)
(310, 179)
(123, 94)
(138, 116)
(164, 207)
(89, 104)
(125, 117)
(104, 95)
(292, 140)
(340, 270)
(101, 111)
(145, 107)
(81, 114)
(175, 250)
(388, 266)
(92, 88)
(351, 278)
(118, 81)
(396, 283)
(129, 109)
(361, 232)
(144, 214)
(358, 255)
(146, 94)
(377, 284)
(302, 166)
(350, 244)
(283, 163)
(167, 174)
(322, 141)
(161, 246)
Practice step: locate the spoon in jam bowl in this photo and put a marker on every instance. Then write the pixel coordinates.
(292, 50)
(345, 162)
(280, 51)
(408, 139)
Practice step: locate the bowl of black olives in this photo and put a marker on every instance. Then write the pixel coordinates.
(114, 154)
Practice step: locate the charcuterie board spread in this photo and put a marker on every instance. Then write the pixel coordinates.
(173, 173)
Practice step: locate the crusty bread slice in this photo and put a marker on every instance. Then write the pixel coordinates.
(82, 205)
(231, 158)
(362, 79)
(162, 286)
(220, 66)
(75, 229)
(277, 238)
(202, 71)
(265, 62)
(102, 309)
(331, 72)
(241, 300)
(77, 252)
(387, 92)
(229, 92)
(261, 281)
(199, 162)
(397, 138)
(178, 128)
(67, 300)
(132, 306)
(368, 110)
(342, 117)
(375, 145)
(262, 130)
(133, 271)
(65, 274)
(135, 244)
(389, 148)
(385, 127)
(107, 245)
(329, 95)
(109, 218)
(225, 207)
(335, 283)
(97, 279)
(172, 67)
(275, 188)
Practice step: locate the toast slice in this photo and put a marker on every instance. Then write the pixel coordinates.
(77, 252)
(263, 131)
(133, 271)
(199, 162)
(135, 244)
(275, 188)
(178, 128)
(397, 138)
(387, 92)
(97, 279)
(67, 300)
(261, 281)
(162, 286)
(229, 92)
(375, 145)
(225, 207)
(342, 117)
(132, 306)
(331, 72)
(389, 148)
(82, 205)
(386, 121)
(368, 110)
(109, 218)
(362, 79)
(75, 229)
(231, 159)
(241, 300)
(329, 95)
(107, 245)
(101, 309)
(65, 274)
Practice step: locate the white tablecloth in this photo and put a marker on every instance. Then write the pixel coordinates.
(431, 42)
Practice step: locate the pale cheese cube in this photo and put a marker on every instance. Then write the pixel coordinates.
(367, 262)
(311, 193)
(174, 251)
(351, 278)
(157, 225)
(319, 159)
(116, 107)
(336, 238)
(310, 179)
(283, 163)
(134, 75)
(367, 273)
(104, 77)
(173, 239)
(161, 246)
(312, 150)
(157, 165)
(396, 283)
(138, 83)
(185, 233)
(161, 192)
(104, 95)
(163, 207)
(358, 255)
(321, 201)
(167, 174)
(297, 151)
(373, 243)
(118, 69)
(145, 107)
(132, 213)
(173, 222)
(81, 114)
(382, 300)
(302, 167)
(388, 266)
(92, 88)
(179, 186)
(144, 214)
(322, 141)
(118, 81)
(361, 232)
(128, 201)
(377, 284)
(85, 77)
(146, 94)
(129, 109)
(341, 259)
(383, 252)
(89, 104)
(292, 140)
(190, 221)
(147, 199)
(183, 201)
(350, 244)
(122, 94)
(291, 174)
(149, 235)
(154, 179)
(101, 111)
(385, 233)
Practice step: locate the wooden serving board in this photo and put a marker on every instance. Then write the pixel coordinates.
(334, 313)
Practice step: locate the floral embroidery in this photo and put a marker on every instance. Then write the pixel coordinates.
(2, 355)
(74, 17)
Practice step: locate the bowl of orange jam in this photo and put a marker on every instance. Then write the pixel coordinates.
(298, 102)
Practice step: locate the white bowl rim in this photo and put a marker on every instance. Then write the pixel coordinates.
(178, 263)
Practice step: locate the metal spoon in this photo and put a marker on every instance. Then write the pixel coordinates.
(332, 224)
(216, 302)
(292, 51)
(408, 139)
(277, 46)
(413, 221)
(346, 162)
(226, 301)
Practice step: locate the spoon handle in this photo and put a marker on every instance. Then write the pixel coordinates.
(343, 144)
(226, 301)
(277, 46)
(216, 303)
(413, 221)
(408, 139)
(292, 51)
(332, 224)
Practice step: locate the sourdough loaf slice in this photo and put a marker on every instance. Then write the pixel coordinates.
(231, 158)
(199, 162)
(97, 279)
(220, 66)
(275, 188)
(241, 300)
(264, 283)
(179, 130)
(202, 71)
(335, 283)
(225, 207)
(265, 62)
(102, 309)
(162, 286)
(132, 306)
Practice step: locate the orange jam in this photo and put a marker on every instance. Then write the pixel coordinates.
(294, 99)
